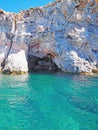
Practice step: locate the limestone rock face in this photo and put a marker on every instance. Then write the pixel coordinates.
(65, 31)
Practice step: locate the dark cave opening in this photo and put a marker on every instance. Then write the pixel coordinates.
(45, 63)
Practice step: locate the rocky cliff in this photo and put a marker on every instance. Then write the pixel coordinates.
(63, 34)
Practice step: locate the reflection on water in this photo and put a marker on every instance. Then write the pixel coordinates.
(48, 101)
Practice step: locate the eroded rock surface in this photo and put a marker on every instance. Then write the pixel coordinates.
(66, 30)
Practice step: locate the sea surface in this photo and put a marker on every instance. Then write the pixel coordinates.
(48, 101)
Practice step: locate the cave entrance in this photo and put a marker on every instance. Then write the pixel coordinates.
(45, 63)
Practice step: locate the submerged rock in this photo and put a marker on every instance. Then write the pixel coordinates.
(65, 30)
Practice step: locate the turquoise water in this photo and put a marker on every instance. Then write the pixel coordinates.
(48, 101)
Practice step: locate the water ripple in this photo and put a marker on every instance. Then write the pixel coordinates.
(48, 101)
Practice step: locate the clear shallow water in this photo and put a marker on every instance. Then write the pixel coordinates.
(48, 101)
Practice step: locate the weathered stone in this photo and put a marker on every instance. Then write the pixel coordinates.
(65, 30)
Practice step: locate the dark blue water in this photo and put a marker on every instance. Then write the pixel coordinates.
(48, 101)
